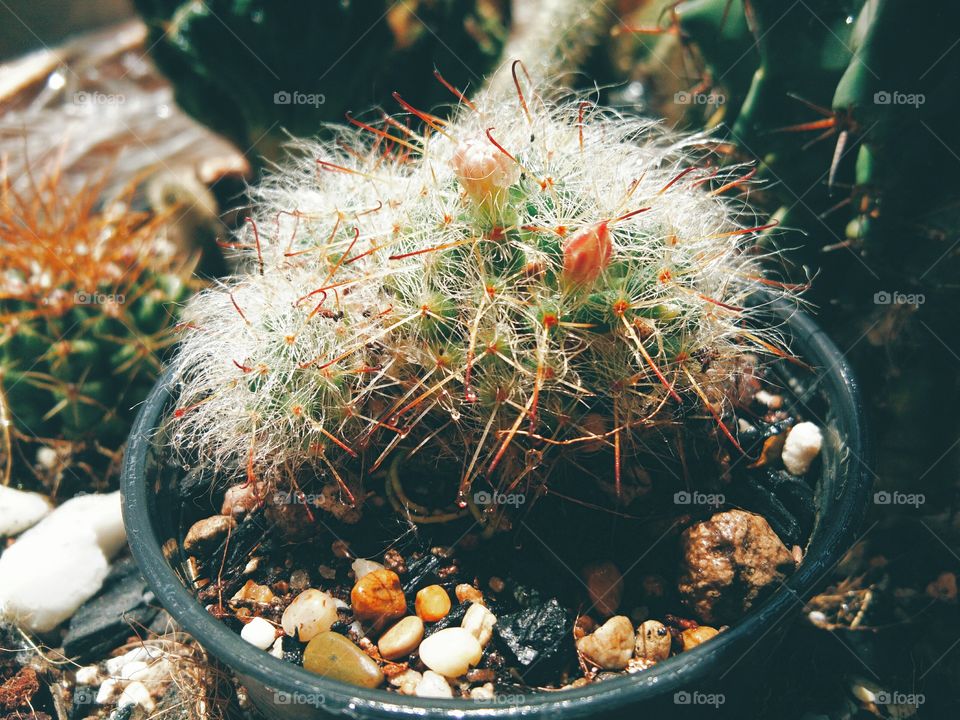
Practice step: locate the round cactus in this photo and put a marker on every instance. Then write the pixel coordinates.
(528, 280)
(88, 302)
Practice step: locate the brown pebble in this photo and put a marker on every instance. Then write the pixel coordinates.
(496, 584)
(468, 593)
(378, 597)
(204, 535)
(605, 587)
(653, 641)
(695, 636)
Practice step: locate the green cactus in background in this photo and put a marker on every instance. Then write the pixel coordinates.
(255, 70)
(88, 301)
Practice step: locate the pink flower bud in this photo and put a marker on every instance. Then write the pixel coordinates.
(483, 170)
(586, 254)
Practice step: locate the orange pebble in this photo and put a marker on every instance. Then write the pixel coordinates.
(432, 603)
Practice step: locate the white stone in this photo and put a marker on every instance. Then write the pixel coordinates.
(311, 612)
(482, 692)
(20, 510)
(132, 669)
(479, 621)
(136, 693)
(433, 685)
(259, 633)
(88, 675)
(155, 674)
(801, 447)
(363, 567)
(407, 681)
(451, 651)
(108, 691)
(141, 653)
(58, 564)
(277, 649)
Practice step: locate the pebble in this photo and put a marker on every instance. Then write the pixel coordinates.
(378, 597)
(451, 651)
(605, 587)
(204, 535)
(479, 621)
(299, 581)
(609, 647)
(241, 499)
(482, 692)
(362, 567)
(801, 448)
(76, 542)
(108, 691)
(433, 685)
(253, 592)
(468, 593)
(311, 612)
(334, 656)
(402, 639)
(20, 510)
(88, 675)
(259, 633)
(696, 636)
(136, 693)
(728, 562)
(432, 603)
(769, 400)
(406, 681)
(277, 648)
(653, 641)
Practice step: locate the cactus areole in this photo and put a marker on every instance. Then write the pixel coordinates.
(528, 282)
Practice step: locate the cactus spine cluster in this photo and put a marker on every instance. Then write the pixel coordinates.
(526, 280)
(88, 301)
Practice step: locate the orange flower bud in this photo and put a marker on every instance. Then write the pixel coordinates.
(586, 254)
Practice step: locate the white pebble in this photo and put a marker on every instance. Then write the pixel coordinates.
(482, 692)
(801, 447)
(75, 542)
(479, 621)
(108, 691)
(136, 693)
(259, 633)
(139, 653)
(132, 669)
(20, 510)
(311, 612)
(363, 567)
(451, 651)
(433, 685)
(277, 649)
(88, 675)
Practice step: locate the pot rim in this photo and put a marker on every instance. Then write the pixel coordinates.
(835, 532)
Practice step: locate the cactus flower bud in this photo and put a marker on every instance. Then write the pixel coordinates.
(586, 254)
(484, 172)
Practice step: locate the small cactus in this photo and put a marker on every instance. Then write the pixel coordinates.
(527, 280)
(88, 301)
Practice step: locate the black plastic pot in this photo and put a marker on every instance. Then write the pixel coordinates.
(719, 672)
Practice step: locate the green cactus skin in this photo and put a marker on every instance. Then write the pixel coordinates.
(228, 59)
